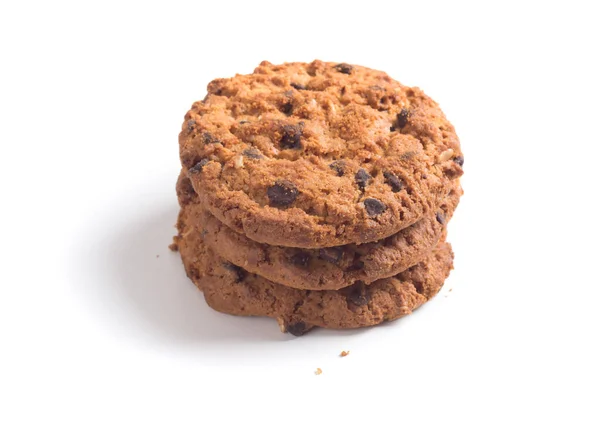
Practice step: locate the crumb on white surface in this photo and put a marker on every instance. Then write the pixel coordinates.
(344, 353)
(318, 371)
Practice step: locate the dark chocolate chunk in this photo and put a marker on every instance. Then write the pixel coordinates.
(392, 128)
(374, 206)
(243, 122)
(287, 108)
(253, 153)
(298, 86)
(331, 254)
(357, 265)
(209, 138)
(240, 273)
(190, 125)
(362, 178)
(301, 258)
(291, 136)
(419, 286)
(402, 118)
(344, 68)
(338, 166)
(393, 181)
(297, 329)
(282, 193)
(440, 217)
(357, 294)
(193, 273)
(459, 160)
(196, 169)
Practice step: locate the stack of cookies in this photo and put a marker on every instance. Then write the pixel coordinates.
(317, 194)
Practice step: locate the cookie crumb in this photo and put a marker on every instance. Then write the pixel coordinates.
(281, 325)
(344, 353)
(318, 371)
(174, 247)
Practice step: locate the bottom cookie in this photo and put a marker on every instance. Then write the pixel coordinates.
(230, 289)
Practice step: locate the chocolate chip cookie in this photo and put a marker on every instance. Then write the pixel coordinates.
(329, 268)
(231, 289)
(318, 155)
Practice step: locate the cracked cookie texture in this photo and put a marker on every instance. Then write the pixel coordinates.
(328, 268)
(313, 155)
(317, 194)
(231, 289)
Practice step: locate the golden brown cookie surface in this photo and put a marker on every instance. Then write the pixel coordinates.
(318, 155)
(231, 289)
(328, 268)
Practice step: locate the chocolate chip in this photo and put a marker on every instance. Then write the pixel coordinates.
(190, 125)
(402, 118)
(418, 286)
(343, 90)
(297, 329)
(298, 86)
(209, 138)
(362, 178)
(440, 217)
(196, 169)
(392, 128)
(243, 122)
(374, 206)
(240, 273)
(344, 68)
(331, 254)
(357, 265)
(291, 137)
(357, 294)
(459, 160)
(338, 166)
(393, 181)
(193, 273)
(301, 258)
(282, 193)
(253, 153)
(287, 108)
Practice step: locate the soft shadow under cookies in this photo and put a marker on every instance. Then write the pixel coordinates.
(140, 289)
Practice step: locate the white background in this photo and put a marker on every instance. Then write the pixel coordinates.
(99, 324)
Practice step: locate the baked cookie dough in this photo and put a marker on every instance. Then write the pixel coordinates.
(328, 268)
(318, 155)
(233, 290)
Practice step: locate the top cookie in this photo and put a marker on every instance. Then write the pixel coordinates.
(318, 155)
